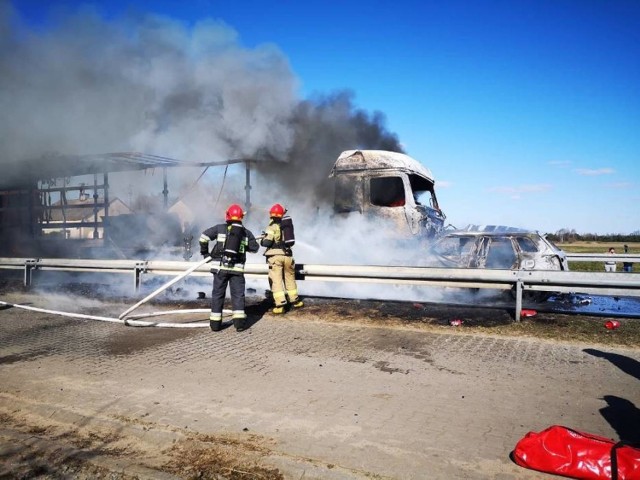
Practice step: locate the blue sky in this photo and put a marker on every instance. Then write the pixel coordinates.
(527, 112)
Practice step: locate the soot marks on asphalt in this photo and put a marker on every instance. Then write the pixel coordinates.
(134, 340)
(25, 356)
(384, 367)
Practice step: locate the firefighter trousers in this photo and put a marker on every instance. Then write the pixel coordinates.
(282, 279)
(236, 284)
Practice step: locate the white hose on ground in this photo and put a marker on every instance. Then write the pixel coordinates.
(133, 323)
(164, 287)
(172, 312)
(66, 314)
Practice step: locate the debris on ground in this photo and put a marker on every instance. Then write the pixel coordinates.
(611, 324)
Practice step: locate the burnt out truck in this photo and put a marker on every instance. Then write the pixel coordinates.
(389, 186)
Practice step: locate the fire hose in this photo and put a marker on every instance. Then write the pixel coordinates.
(133, 323)
(164, 287)
(137, 323)
(132, 320)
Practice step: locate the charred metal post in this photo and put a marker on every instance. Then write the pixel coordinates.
(247, 186)
(63, 205)
(165, 192)
(95, 206)
(105, 193)
(34, 231)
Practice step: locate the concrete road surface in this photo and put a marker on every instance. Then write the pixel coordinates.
(297, 393)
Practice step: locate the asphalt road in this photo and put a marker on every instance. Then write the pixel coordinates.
(301, 393)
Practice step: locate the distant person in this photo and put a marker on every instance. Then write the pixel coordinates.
(627, 266)
(610, 265)
(231, 242)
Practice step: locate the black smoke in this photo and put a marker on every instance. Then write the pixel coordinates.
(324, 127)
(152, 84)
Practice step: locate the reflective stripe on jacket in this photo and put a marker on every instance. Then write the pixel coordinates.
(218, 235)
(273, 241)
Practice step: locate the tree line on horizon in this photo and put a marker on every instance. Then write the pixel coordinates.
(570, 235)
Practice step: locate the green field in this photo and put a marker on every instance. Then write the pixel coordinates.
(598, 247)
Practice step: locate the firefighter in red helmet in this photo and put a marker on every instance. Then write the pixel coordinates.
(231, 242)
(278, 239)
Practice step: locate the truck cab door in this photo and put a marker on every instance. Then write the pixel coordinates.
(414, 216)
(349, 194)
(386, 198)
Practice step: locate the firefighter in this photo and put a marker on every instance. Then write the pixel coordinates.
(278, 239)
(231, 241)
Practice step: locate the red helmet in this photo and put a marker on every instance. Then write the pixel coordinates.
(234, 212)
(277, 211)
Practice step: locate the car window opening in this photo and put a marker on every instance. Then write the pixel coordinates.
(501, 254)
(527, 245)
(423, 191)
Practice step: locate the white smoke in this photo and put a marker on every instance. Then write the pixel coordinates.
(155, 85)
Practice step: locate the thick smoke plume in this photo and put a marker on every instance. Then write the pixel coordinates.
(322, 128)
(155, 85)
(151, 84)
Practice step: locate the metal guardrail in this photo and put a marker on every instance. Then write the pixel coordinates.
(520, 281)
(603, 257)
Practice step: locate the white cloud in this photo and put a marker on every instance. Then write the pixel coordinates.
(591, 172)
(444, 184)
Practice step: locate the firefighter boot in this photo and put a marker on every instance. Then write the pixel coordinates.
(279, 310)
(239, 323)
(298, 304)
(215, 325)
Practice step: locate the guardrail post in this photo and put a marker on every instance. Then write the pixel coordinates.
(139, 269)
(29, 266)
(518, 300)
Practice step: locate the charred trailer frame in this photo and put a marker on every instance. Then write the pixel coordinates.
(45, 212)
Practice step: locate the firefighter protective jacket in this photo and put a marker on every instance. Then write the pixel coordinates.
(218, 236)
(273, 241)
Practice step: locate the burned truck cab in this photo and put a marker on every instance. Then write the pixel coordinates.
(388, 186)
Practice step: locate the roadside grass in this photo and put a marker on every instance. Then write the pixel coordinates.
(572, 329)
(576, 329)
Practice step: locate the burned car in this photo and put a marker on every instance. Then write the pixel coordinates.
(496, 247)
(500, 248)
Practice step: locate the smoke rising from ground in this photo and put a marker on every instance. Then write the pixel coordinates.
(155, 85)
